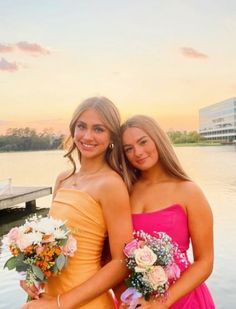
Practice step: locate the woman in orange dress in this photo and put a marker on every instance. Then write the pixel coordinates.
(94, 202)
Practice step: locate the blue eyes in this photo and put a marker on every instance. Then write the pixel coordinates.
(98, 130)
(81, 127)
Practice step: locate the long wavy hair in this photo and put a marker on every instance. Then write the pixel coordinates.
(167, 156)
(110, 116)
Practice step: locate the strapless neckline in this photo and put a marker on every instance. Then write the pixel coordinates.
(81, 192)
(160, 210)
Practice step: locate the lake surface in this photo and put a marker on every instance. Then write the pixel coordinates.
(213, 168)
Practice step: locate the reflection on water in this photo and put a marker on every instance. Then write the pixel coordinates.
(213, 168)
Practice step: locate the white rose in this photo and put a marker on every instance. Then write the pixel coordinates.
(156, 277)
(144, 257)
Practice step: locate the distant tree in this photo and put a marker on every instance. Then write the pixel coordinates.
(181, 137)
(18, 139)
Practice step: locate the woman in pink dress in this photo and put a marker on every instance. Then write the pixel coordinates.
(163, 198)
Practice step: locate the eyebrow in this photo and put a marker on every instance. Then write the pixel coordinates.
(138, 140)
(94, 125)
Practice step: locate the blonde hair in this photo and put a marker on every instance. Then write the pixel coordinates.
(110, 116)
(167, 156)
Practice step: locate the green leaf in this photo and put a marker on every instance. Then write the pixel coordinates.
(62, 242)
(55, 269)
(10, 263)
(38, 272)
(19, 259)
(20, 264)
(23, 267)
(60, 261)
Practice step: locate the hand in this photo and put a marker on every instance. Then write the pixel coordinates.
(151, 304)
(32, 290)
(45, 302)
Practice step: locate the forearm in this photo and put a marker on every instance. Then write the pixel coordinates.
(107, 277)
(192, 277)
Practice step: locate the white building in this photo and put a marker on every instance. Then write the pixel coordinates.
(218, 121)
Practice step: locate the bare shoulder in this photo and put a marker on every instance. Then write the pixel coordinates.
(113, 196)
(112, 180)
(63, 175)
(59, 180)
(195, 199)
(189, 188)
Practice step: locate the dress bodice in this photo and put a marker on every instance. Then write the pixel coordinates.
(84, 217)
(171, 220)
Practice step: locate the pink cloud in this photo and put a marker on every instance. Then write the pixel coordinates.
(6, 48)
(26, 47)
(8, 66)
(32, 48)
(192, 53)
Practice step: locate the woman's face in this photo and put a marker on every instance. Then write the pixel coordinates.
(139, 148)
(91, 136)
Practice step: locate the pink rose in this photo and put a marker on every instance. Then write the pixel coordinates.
(156, 277)
(173, 271)
(13, 234)
(70, 246)
(130, 247)
(39, 249)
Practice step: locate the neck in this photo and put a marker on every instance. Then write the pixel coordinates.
(154, 175)
(91, 166)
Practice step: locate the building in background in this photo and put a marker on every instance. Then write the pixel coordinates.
(218, 121)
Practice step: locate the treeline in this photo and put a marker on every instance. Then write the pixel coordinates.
(183, 137)
(21, 139)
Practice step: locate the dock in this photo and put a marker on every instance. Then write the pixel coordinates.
(27, 195)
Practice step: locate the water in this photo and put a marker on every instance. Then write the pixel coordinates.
(213, 168)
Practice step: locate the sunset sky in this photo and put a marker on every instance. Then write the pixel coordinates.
(165, 58)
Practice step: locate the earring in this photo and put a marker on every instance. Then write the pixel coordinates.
(111, 146)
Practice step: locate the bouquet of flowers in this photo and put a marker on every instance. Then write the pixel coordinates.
(154, 263)
(40, 248)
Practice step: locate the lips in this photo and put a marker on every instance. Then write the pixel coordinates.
(86, 146)
(141, 161)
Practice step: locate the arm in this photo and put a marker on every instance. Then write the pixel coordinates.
(200, 223)
(115, 204)
(116, 210)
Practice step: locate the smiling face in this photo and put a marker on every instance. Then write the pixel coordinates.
(139, 148)
(91, 136)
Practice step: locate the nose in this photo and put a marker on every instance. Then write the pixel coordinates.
(87, 134)
(138, 151)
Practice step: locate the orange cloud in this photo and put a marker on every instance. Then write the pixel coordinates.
(192, 53)
(8, 66)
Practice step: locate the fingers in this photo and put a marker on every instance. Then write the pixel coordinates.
(32, 291)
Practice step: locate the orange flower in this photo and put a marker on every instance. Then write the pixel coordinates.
(47, 273)
(46, 237)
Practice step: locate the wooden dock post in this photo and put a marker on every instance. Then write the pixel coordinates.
(27, 195)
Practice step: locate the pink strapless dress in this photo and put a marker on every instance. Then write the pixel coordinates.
(173, 221)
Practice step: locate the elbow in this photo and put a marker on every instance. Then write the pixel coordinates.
(206, 268)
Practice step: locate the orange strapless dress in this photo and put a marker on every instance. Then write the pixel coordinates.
(84, 217)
